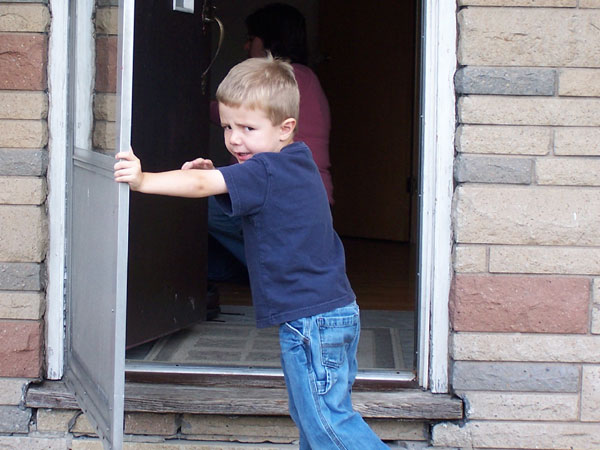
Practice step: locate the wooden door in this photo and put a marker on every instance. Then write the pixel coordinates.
(368, 76)
(167, 250)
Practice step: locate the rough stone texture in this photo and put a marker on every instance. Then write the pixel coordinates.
(22, 190)
(499, 110)
(280, 428)
(580, 141)
(23, 59)
(24, 236)
(105, 107)
(521, 406)
(526, 347)
(107, 20)
(23, 133)
(91, 444)
(105, 136)
(34, 443)
(568, 171)
(14, 419)
(106, 64)
(23, 105)
(21, 349)
(589, 3)
(569, 216)
(504, 140)
(21, 305)
(514, 376)
(24, 18)
(492, 169)
(524, 37)
(596, 306)
(23, 162)
(148, 423)
(11, 390)
(538, 3)
(20, 277)
(519, 435)
(545, 260)
(470, 258)
(590, 394)
(528, 304)
(505, 81)
(54, 420)
(579, 82)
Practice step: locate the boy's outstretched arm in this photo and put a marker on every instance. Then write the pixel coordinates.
(177, 183)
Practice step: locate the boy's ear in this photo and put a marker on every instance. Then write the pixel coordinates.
(287, 128)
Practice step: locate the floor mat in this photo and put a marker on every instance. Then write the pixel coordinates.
(386, 342)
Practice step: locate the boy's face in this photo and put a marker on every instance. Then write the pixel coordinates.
(250, 131)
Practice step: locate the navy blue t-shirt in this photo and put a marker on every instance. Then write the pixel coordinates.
(295, 259)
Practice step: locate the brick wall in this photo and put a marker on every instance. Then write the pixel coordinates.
(23, 234)
(525, 305)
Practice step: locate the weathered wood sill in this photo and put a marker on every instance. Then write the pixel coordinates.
(406, 404)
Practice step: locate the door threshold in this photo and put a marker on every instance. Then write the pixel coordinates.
(157, 372)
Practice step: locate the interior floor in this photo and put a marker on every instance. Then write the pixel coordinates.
(380, 276)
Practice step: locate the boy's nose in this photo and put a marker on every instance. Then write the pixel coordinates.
(234, 138)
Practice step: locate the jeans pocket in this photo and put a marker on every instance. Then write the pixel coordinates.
(336, 334)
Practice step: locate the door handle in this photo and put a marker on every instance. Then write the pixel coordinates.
(208, 17)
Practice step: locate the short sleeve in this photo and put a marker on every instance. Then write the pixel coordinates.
(248, 185)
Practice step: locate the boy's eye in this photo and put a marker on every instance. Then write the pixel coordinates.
(249, 128)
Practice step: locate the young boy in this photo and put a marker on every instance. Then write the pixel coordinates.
(295, 259)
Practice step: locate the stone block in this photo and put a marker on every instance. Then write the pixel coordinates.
(470, 258)
(545, 260)
(531, 3)
(105, 107)
(527, 304)
(107, 20)
(515, 376)
(596, 306)
(246, 428)
(23, 59)
(151, 424)
(590, 394)
(526, 347)
(24, 235)
(577, 141)
(23, 162)
(54, 420)
(518, 435)
(487, 214)
(179, 444)
(492, 169)
(20, 277)
(105, 136)
(579, 82)
(23, 105)
(22, 190)
(24, 18)
(23, 133)
(34, 443)
(589, 4)
(504, 140)
(524, 37)
(21, 348)
(14, 419)
(521, 406)
(556, 111)
(106, 64)
(21, 305)
(505, 81)
(11, 390)
(568, 171)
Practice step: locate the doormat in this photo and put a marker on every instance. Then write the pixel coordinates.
(386, 342)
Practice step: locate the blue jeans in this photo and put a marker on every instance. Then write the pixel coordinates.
(318, 356)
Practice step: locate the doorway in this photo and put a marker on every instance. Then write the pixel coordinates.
(365, 59)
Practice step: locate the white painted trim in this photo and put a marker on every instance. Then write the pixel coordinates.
(56, 178)
(438, 125)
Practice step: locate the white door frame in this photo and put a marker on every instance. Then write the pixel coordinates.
(438, 124)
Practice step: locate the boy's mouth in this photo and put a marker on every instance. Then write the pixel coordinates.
(243, 156)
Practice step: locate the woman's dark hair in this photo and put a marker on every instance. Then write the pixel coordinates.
(282, 29)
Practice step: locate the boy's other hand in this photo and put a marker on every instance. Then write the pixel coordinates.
(128, 169)
(198, 163)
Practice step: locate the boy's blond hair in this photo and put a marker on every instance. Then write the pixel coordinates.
(267, 84)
